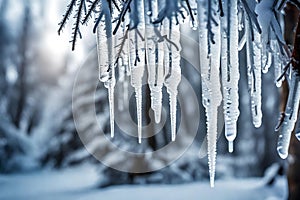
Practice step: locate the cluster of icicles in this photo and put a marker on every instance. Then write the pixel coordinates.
(140, 45)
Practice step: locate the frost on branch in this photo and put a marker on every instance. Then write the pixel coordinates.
(135, 37)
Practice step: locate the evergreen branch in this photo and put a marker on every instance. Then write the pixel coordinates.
(66, 16)
(252, 15)
(221, 8)
(284, 71)
(76, 27)
(122, 15)
(116, 5)
(190, 10)
(122, 45)
(171, 9)
(98, 21)
(90, 10)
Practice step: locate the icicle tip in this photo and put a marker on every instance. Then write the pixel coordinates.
(230, 146)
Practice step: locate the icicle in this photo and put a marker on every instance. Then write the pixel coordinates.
(110, 86)
(297, 130)
(126, 62)
(172, 68)
(102, 46)
(121, 68)
(276, 62)
(256, 92)
(154, 62)
(230, 70)
(268, 63)
(120, 38)
(105, 58)
(137, 58)
(254, 73)
(290, 117)
(210, 63)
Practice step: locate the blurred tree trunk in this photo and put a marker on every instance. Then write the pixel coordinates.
(293, 173)
(18, 106)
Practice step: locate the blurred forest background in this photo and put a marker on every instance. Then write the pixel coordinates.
(37, 130)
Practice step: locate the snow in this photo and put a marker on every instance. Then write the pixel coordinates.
(81, 183)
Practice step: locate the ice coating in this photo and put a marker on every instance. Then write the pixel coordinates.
(290, 116)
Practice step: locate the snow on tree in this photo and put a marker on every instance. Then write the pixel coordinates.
(224, 29)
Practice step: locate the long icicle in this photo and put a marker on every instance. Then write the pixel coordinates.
(254, 72)
(105, 58)
(137, 58)
(154, 60)
(230, 70)
(172, 69)
(209, 41)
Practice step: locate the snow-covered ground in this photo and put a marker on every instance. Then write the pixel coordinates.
(80, 183)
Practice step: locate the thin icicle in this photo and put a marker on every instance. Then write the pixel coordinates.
(256, 92)
(126, 65)
(204, 69)
(137, 58)
(172, 69)
(254, 73)
(110, 86)
(154, 62)
(230, 70)
(106, 58)
(209, 41)
(290, 118)
(121, 60)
